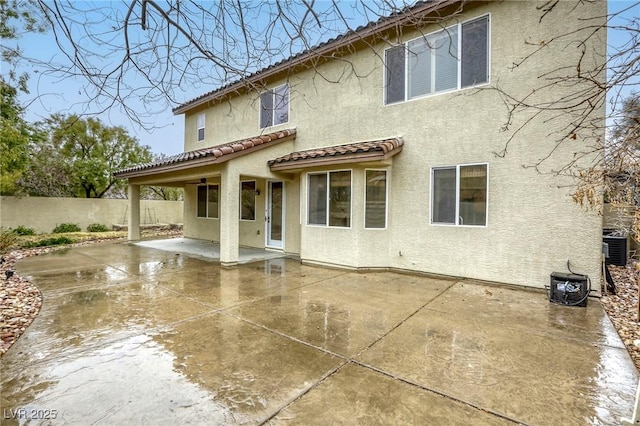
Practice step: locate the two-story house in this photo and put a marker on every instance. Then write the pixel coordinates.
(378, 149)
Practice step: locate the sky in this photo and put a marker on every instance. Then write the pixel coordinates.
(165, 134)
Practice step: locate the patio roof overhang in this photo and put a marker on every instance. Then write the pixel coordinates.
(359, 152)
(207, 156)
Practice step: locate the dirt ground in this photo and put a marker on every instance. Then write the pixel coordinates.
(622, 307)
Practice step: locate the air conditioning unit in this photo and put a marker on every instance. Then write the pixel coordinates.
(569, 289)
(617, 249)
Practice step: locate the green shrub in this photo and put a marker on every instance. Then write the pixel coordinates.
(51, 241)
(66, 227)
(97, 227)
(7, 238)
(23, 230)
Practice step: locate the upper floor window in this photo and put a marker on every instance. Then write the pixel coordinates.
(459, 195)
(274, 106)
(200, 127)
(450, 59)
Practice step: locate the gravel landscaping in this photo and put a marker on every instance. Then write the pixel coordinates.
(622, 307)
(20, 300)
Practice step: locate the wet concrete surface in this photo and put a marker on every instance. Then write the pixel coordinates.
(135, 335)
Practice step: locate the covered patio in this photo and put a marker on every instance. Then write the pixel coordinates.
(235, 203)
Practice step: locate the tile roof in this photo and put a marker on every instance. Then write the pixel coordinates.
(350, 153)
(214, 154)
(410, 15)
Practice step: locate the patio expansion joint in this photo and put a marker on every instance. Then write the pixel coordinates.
(304, 392)
(354, 361)
(437, 392)
(265, 297)
(347, 360)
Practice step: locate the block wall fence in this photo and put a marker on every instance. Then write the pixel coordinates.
(45, 213)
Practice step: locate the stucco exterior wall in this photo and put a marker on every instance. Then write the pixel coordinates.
(533, 226)
(45, 213)
(198, 227)
(251, 233)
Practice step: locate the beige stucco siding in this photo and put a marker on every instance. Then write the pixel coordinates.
(199, 227)
(252, 166)
(533, 226)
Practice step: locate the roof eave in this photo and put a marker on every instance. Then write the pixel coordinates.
(202, 161)
(328, 160)
(345, 40)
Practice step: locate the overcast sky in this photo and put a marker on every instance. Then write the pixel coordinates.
(66, 96)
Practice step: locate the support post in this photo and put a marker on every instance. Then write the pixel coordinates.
(133, 228)
(229, 216)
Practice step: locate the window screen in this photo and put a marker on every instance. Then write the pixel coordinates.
(266, 109)
(281, 108)
(248, 200)
(375, 215)
(444, 196)
(317, 205)
(202, 201)
(395, 69)
(340, 199)
(200, 129)
(475, 52)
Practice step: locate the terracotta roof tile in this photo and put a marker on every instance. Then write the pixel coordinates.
(215, 152)
(409, 15)
(353, 152)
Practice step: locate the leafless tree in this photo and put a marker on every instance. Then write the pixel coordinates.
(576, 95)
(153, 54)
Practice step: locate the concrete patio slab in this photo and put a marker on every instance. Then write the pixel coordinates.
(510, 368)
(345, 314)
(131, 334)
(349, 397)
(227, 287)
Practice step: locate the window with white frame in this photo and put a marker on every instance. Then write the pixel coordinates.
(208, 201)
(248, 200)
(451, 59)
(459, 195)
(200, 127)
(375, 213)
(274, 106)
(329, 199)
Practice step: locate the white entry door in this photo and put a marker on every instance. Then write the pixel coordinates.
(275, 214)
